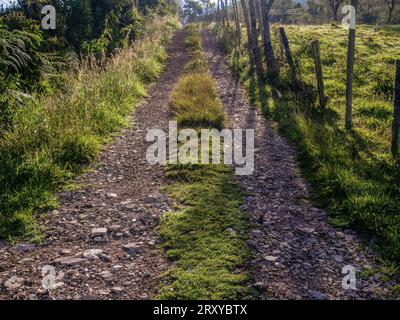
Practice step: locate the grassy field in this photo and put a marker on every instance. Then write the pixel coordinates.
(206, 237)
(353, 174)
(54, 137)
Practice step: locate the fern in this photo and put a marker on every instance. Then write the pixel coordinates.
(13, 49)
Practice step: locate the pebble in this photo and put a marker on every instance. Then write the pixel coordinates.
(316, 295)
(149, 199)
(117, 290)
(14, 283)
(338, 258)
(69, 261)
(111, 195)
(92, 253)
(271, 258)
(25, 247)
(133, 249)
(114, 228)
(98, 232)
(26, 261)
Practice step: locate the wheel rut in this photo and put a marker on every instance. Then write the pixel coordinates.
(297, 254)
(102, 242)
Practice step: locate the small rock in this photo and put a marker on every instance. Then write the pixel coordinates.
(92, 253)
(111, 195)
(114, 228)
(104, 257)
(338, 258)
(149, 199)
(119, 235)
(259, 285)
(117, 290)
(69, 261)
(24, 247)
(146, 274)
(132, 248)
(316, 295)
(104, 292)
(14, 283)
(26, 261)
(98, 232)
(105, 274)
(271, 258)
(305, 229)
(66, 252)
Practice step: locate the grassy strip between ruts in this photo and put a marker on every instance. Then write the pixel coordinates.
(206, 237)
(353, 173)
(54, 137)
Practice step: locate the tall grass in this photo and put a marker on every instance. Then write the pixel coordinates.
(53, 138)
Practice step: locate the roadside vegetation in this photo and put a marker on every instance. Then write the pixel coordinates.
(206, 237)
(353, 173)
(52, 127)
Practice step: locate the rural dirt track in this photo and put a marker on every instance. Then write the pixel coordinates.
(297, 254)
(123, 195)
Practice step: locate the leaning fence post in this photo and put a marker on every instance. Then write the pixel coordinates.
(289, 56)
(351, 52)
(318, 71)
(396, 115)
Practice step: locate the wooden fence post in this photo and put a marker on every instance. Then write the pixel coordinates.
(318, 72)
(351, 50)
(289, 57)
(396, 115)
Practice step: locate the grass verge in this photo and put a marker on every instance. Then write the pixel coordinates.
(206, 237)
(353, 174)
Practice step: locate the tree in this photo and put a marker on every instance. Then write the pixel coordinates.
(391, 4)
(334, 6)
(314, 9)
(254, 41)
(248, 31)
(272, 69)
(192, 9)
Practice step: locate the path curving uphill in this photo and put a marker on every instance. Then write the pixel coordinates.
(297, 253)
(101, 243)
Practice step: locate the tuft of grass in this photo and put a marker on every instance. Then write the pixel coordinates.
(52, 138)
(206, 237)
(194, 102)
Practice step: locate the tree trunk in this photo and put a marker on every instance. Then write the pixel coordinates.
(248, 31)
(223, 13)
(259, 16)
(396, 115)
(254, 41)
(390, 14)
(237, 22)
(272, 69)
